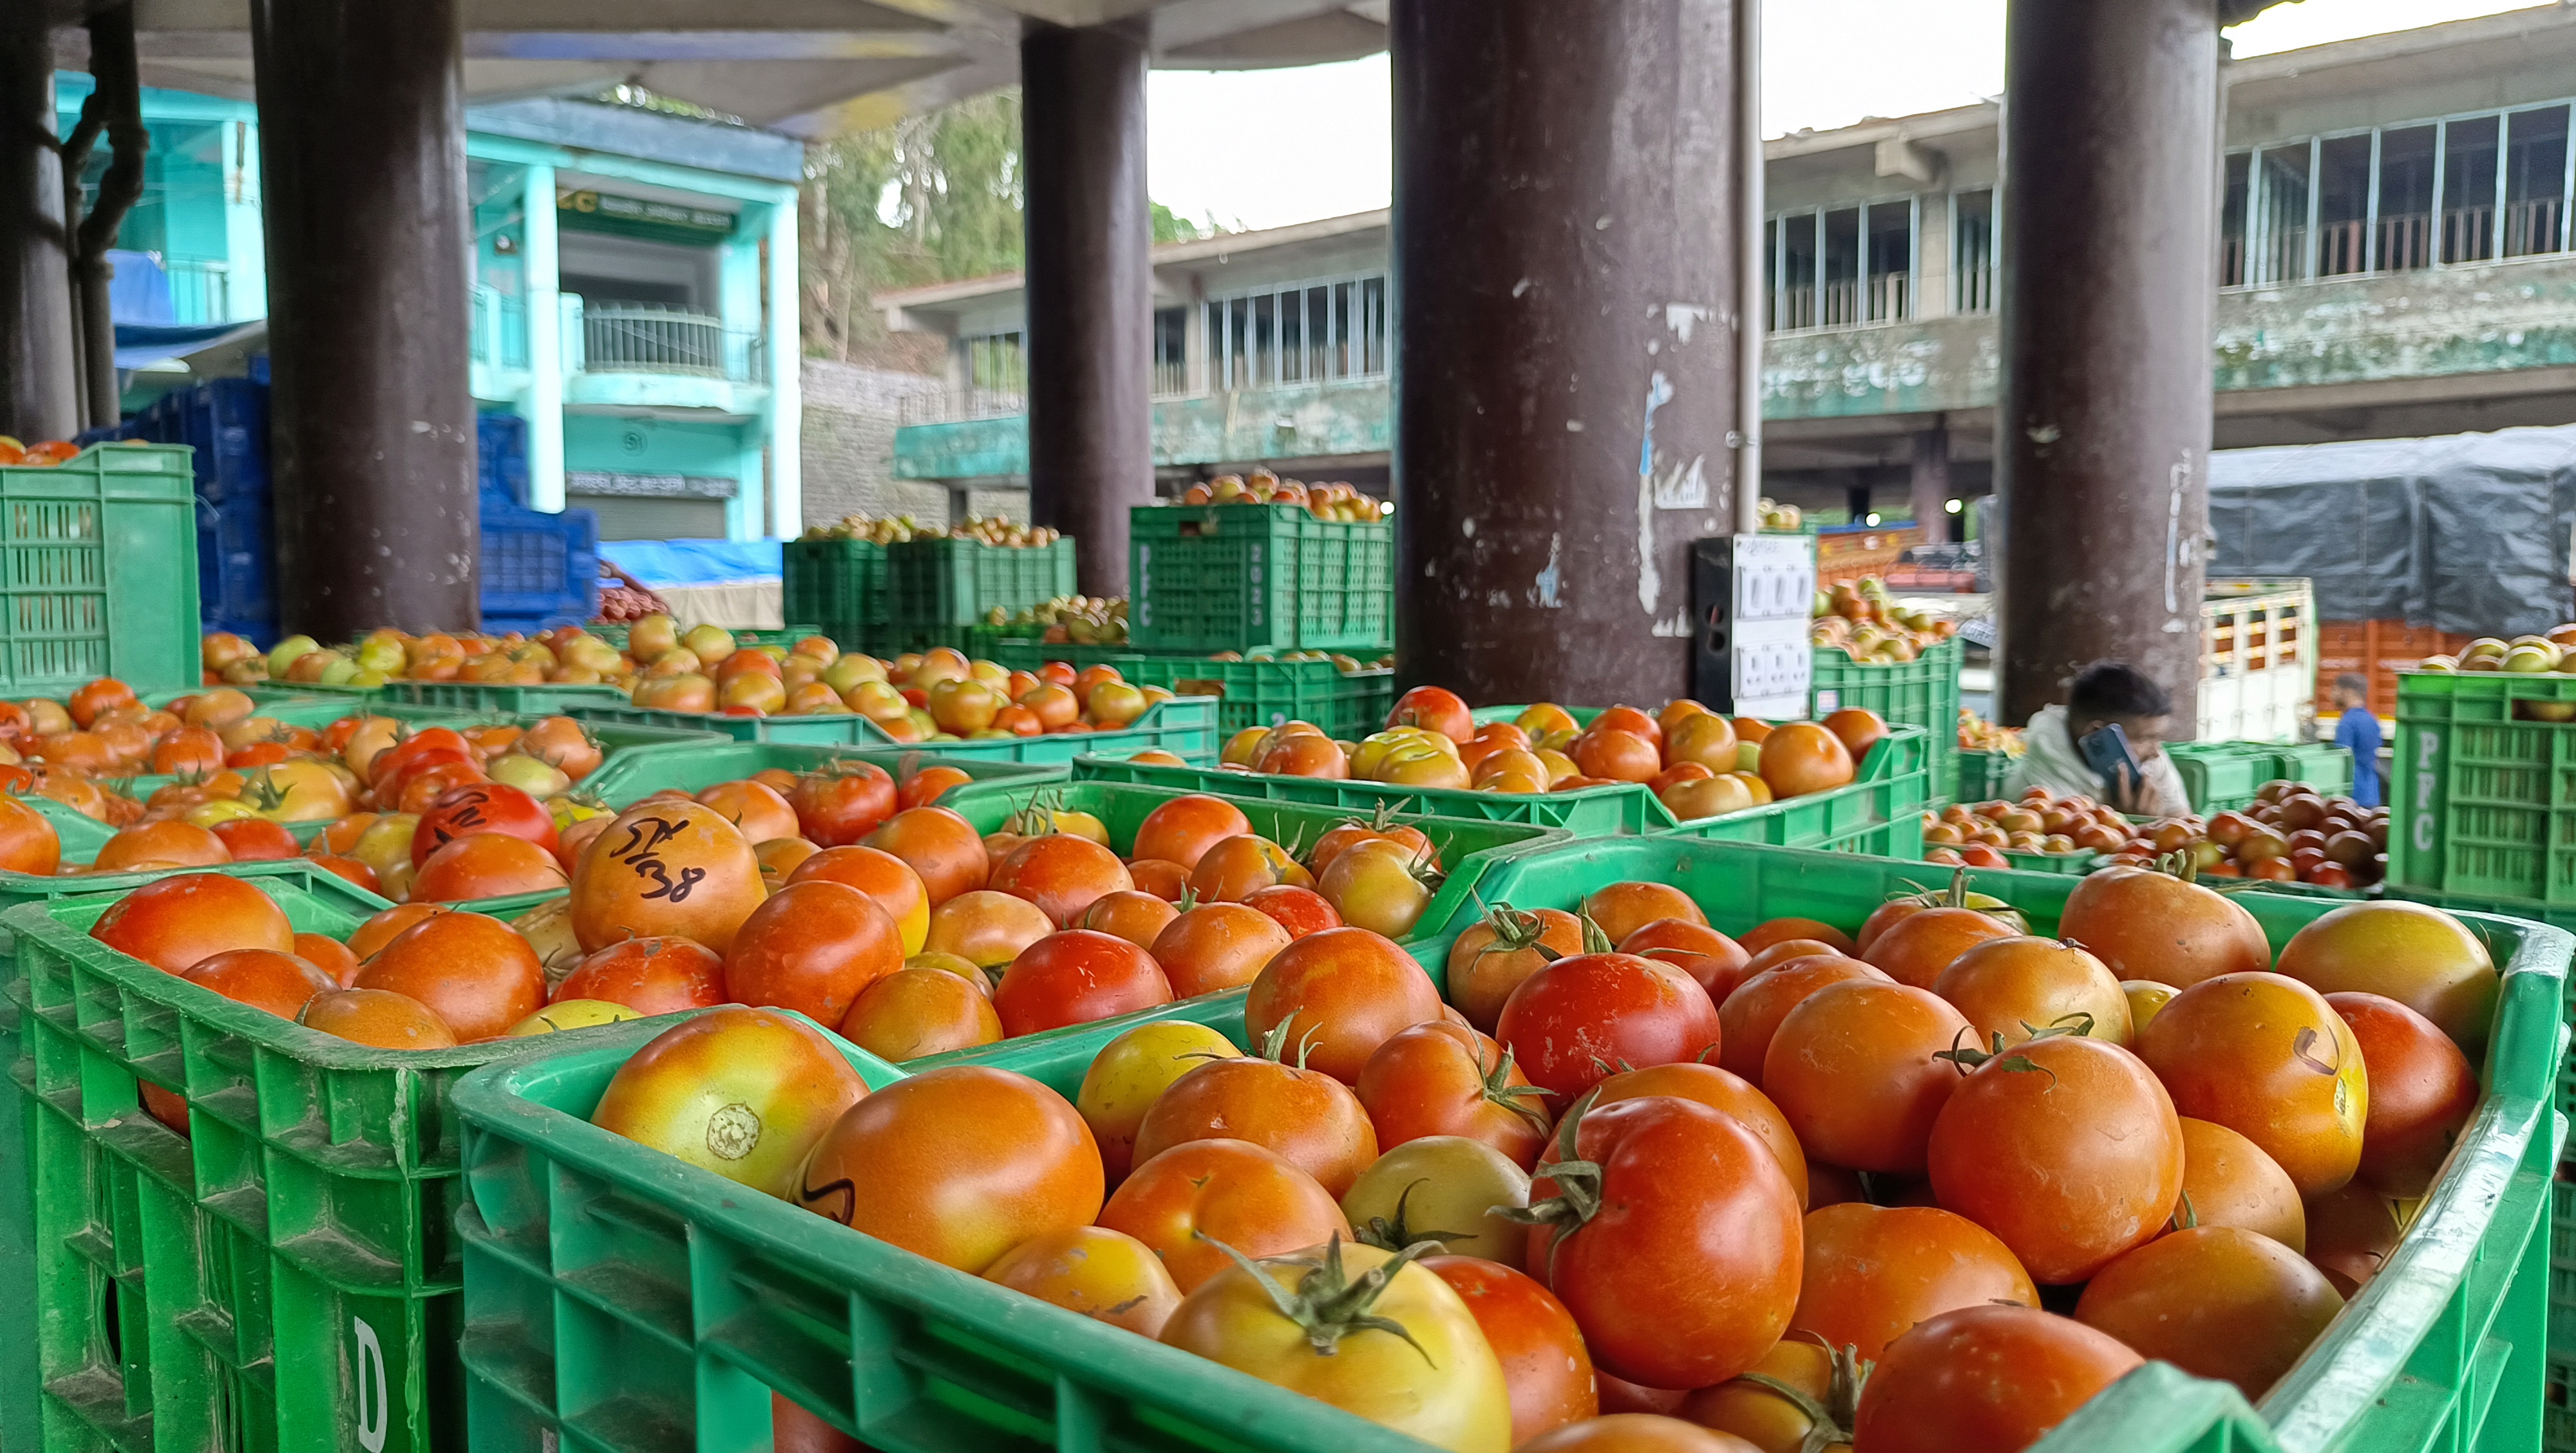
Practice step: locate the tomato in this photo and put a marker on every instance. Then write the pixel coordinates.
(1168, 881)
(1440, 1078)
(674, 869)
(1439, 1381)
(1623, 908)
(1182, 829)
(959, 1164)
(1131, 1072)
(1618, 1395)
(1137, 917)
(2421, 957)
(1490, 959)
(1715, 962)
(329, 955)
(2227, 1180)
(486, 865)
(564, 744)
(1301, 911)
(1578, 1020)
(1615, 756)
(2422, 1092)
(263, 978)
(28, 841)
(1800, 758)
(1340, 994)
(1309, 1118)
(755, 808)
(1990, 1378)
(1859, 729)
(1076, 976)
(1752, 1014)
(1720, 1091)
(812, 947)
(2215, 1301)
(844, 802)
(1434, 708)
(1703, 739)
(472, 970)
(1853, 1069)
(1061, 874)
(1108, 1276)
(173, 923)
(378, 1018)
(1798, 1399)
(257, 840)
(2267, 1057)
(2351, 1234)
(1379, 885)
(371, 936)
(2149, 925)
(1458, 1192)
(1545, 1367)
(883, 877)
(649, 975)
(1217, 946)
(1235, 868)
(1203, 1192)
(484, 807)
(1918, 947)
(1674, 1240)
(745, 1093)
(2066, 1148)
(167, 844)
(916, 1012)
(985, 928)
(2016, 986)
(1872, 1272)
(942, 848)
(929, 784)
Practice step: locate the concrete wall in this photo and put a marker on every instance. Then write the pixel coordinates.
(2431, 324)
(850, 414)
(1301, 421)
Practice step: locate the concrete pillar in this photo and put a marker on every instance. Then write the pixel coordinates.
(1931, 483)
(362, 141)
(2103, 429)
(1565, 280)
(39, 383)
(786, 361)
(541, 283)
(1090, 289)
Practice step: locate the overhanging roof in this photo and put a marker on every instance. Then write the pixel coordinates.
(812, 69)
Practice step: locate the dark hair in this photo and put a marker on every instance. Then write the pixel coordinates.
(2351, 681)
(2108, 689)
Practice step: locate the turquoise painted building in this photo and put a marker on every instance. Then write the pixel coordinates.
(634, 295)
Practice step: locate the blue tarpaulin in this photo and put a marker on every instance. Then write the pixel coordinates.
(660, 563)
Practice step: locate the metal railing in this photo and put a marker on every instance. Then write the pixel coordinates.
(200, 290)
(626, 338)
(500, 328)
(960, 405)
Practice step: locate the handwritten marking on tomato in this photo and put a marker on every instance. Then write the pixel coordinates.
(642, 857)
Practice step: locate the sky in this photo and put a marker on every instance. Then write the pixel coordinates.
(1267, 148)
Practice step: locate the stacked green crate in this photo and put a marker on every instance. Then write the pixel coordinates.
(1981, 774)
(939, 588)
(2321, 765)
(98, 571)
(2483, 796)
(1258, 577)
(1184, 726)
(839, 585)
(1263, 692)
(1923, 692)
(2222, 776)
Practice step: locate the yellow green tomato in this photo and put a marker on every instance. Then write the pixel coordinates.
(745, 1093)
(569, 1014)
(1437, 1184)
(1131, 1072)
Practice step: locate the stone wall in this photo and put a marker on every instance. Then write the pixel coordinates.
(850, 415)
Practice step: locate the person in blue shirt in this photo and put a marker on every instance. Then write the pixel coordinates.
(2358, 731)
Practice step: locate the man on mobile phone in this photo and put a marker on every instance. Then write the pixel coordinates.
(2111, 701)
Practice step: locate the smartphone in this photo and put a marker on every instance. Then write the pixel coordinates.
(2106, 751)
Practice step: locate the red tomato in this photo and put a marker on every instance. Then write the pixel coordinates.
(175, 922)
(2215, 1301)
(2422, 1092)
(1434, 708)
(812, 947)
(1991, 1378)
(1341, 993)
(1752, 1014)
(473, 971)
(1544, 1362)
(1137, 917)
(1727, 1093)
(1919, 946)
(649, 975)
(1217, 946)
(1201, 1192)
(1491, 958)
(958, 1164)
(1715, 962)
(666, 868)
(257, 840)
(916, 1012)
(263, 978)
(1623, 908)
(1874, 1271)
(844, 802)
(1853, 1069)
(1076, 976)
(480, 808)
(1301, 911)
(1441, 1078)
(2150, 925)
(942, 847)
(1240, 866)
(486, 865)
(2267, 1057)
(1062, 874)
(1311, 1119)
(1579, 1020)
(1184, 828)
(1679, 1256)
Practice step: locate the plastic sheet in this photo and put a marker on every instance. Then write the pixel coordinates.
(664, 563)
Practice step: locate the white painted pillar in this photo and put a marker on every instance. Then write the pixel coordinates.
(785, 352)
(542, 402)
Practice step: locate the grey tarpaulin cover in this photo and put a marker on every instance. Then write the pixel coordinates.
(2466, 532)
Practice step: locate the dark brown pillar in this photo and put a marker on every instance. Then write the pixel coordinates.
(2102, 435)
(39, 396)
(362, 158)
(1565, 276)
(1090, 289)
(1931, 483)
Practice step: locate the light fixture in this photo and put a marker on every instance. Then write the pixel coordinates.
(1872, 519)
(1950, 505)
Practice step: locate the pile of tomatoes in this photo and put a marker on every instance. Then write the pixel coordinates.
(1978, 834)
(1698, 763)
(1799, 1187)
(1334, 501)
(36, 456)
(2291, 834)
(1863, 621)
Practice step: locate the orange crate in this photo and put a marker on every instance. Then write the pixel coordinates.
(2377, 650)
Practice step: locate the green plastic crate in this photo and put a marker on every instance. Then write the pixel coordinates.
(101, 577)
(283, 1277)
(840, 585)
(2482, 799)
(479, 696)
(1184, 726)
(1923, 692)
(694, 767)
(1244, 577)
(1981, 774)
(1880, 813)
(2322, 765)
(940, 588)
(2222, 776)
(1347, 705)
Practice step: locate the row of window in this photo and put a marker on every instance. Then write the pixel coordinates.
(1297, 333)
(1842, 266)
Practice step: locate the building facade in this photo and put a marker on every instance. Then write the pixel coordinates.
(2394, 259)
(634, 295)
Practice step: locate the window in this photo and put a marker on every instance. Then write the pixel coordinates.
(997, 362)
(2237, 201)
(1171, 352)
(2406, 169)
(2469, 188)
(2535, 182)
(1972, 251)
(1306, 333)
(2279, 242)
(2343, 205)
(1839, 267)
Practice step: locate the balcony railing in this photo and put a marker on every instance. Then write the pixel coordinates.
(200, 290)
(624, 338)
(960, 405)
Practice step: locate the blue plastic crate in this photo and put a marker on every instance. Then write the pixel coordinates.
(234, 548)
(538, 565)
(225, 421)
(501, 456)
